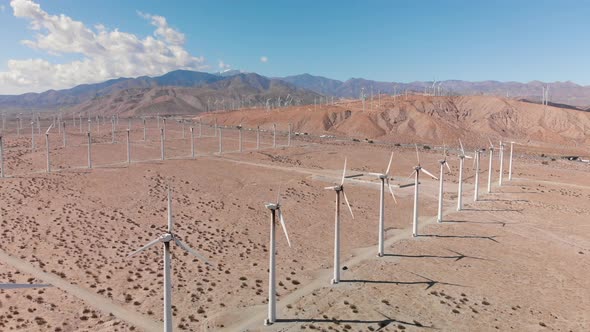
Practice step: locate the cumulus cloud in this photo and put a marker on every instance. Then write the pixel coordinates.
(263, 59)
(105, 53)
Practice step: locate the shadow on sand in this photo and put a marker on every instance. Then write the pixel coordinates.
(427, 281)
(494, 210)
(480, 222)
(491, 238)
(383, 323)
(457, 257)
(503, 200)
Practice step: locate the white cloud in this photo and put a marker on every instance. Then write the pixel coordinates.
(105, 53)
(223, 66)
(263, 59)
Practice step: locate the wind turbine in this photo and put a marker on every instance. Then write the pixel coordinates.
(416, 173)
(476, 162)
(338, 189)
(384, 177)
(510, 162)
(272, 294)
(462, 157)
(443, 163)
(490, 166)
(166, 239)
(501, 163)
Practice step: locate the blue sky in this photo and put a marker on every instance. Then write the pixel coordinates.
(382, 40)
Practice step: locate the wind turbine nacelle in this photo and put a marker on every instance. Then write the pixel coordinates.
(167, 237)
(272, 206)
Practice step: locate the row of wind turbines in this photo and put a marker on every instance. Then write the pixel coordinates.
(276, 216)
(218, 131)
(384, 178)
(170, 237)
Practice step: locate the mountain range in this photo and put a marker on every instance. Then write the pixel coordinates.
(184, 91)
(560, 92)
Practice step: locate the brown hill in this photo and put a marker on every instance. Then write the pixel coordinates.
(428, 119)
(246, 90)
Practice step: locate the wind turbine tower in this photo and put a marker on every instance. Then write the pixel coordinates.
(338, 189)
(443, 162)
(462, 157)
(275, 208)
(384, 177)
(168, 238)
(416, 173)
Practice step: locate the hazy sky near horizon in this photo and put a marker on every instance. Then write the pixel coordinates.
(61, 43)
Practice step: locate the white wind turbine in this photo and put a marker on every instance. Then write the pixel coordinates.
(384, 177)
(166, 239)
(443, 162)
(476, 162)
(490, 166)
(272, 293)
(416, 173)
(338, 189)
(501, 163)
(462, 157)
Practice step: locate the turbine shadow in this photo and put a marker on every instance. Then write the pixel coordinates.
(383, 323)
(428, 282)
(480, 222)
(457, 257)
(494, 210)
(503, 200)
(491, 238)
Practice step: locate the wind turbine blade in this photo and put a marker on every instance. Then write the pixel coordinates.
(18, 286)
(347, 203)
(448, 167)
(279, 196)
(412, 175)
(389, 165)
(391, 191)
(491, 144)
(430, 174)
(188, 249)
(375, 174)
(462, 148)
(468, 157)
(150, 244)
(417, 154)
(343, 172)
(170, 218)
(284, 226)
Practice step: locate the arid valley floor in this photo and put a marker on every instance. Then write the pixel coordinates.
(518, 259)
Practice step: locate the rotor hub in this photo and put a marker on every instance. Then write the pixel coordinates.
(166, 237)
(272, 206)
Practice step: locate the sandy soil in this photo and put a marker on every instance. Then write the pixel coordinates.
(515, 260)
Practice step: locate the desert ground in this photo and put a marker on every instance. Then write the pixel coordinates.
(517, 259)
